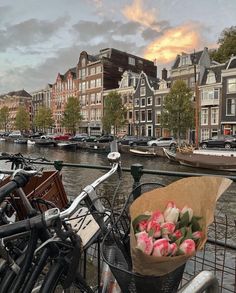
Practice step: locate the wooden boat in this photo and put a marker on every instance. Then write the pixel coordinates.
(45, 142)
(67, 145)
(142, 153)
(213, 162)
(2, 139)
(213, 152)
(30, 142)
(20, 140)
(169, 154)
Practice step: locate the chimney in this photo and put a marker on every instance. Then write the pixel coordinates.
(164, 74)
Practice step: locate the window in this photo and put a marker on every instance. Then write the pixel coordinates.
(83, 86)
(83, 72)
(98, 98)
(149, 130)
(98, 82)
(93, 114)
(230, 107)
(210, 94)
(92, 99)
(142, 91)
(214, 116)
(216, 94)
(158, 117)
(157, 101)
(214, 132)
(143, 115)
(143, 81)
(136, 102)
(184, 60)
(231, 85)
(149, 101)
(136, 116)
(211, 78)
(92, 70)
(143, 102)
(98, 69)
(83, 100)
(131, 61)
(204, 116)
(149, 115)
(98, 114)
(92, 83)
(130, 115)
(204, 133)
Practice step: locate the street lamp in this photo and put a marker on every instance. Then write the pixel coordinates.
(194, 61)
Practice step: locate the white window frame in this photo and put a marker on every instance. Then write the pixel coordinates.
(215, 116)
(131, 61)
(204, 116)
(148, 112)
(149, 101)
(231, 82)
(142, 91)
(232, 106)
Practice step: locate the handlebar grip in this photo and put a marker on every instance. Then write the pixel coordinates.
(20, 180)
(22, 226)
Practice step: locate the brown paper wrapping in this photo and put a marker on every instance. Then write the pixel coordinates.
(199, 193)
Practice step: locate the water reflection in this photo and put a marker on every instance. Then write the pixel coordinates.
(75, 179)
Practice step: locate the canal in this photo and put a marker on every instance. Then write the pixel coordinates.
(75, 179)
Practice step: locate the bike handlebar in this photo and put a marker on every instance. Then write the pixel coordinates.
(46, 219)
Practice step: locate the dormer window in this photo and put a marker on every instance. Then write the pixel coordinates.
(211, 78)
(184, 60)
(162, 85)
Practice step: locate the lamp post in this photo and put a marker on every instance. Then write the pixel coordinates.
(194, 60)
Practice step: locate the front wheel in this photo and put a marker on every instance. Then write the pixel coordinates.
(227, 146)
(204, 145)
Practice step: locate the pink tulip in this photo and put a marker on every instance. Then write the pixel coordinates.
(197, 235)
(154, 227)
(187, 247)
(142, 225)
(161, 247)
(158, 217)
(171, 213)
(177, 234)
(173, 249)
(167, 228)
(144, 242)
(188, 210)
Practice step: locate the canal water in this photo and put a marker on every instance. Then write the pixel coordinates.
(75, 179)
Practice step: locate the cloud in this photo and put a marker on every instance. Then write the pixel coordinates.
(183, 38)
(29, 32)
(88, 30)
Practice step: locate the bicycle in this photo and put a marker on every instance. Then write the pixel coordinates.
(66, 244)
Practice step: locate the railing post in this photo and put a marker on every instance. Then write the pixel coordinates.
(136, 172)
(58, 165)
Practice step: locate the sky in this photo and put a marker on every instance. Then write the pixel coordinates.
(39, 39)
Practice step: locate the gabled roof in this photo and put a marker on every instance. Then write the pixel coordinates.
(232, 63)
(197, 55)
(216, 69)
(21, 93)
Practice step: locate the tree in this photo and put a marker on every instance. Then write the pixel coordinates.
(114, 112)
(72, 115)
(178, 111)
(4, 117)
(227, 45)
(22, 121)
(43, 118)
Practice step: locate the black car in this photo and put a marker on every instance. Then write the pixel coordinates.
(219, 141)
(135, 140)
(127, 140)
(106, 138)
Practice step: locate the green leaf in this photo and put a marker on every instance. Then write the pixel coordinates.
(189, 234)
(138, 219)
(179, 241)
(184, 221)
(151, 233)
(195, 225)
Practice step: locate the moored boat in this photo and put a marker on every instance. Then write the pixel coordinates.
(20, 140)
(204, 161)
(142, 153)
(45, 142)
(30, 142)
(67, 145)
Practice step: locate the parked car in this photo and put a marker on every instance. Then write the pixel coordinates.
(219, 141)
(79, 137)
(62, 137)
(127, 139)
(91, 138)
(106, 138)
(36, 134)
(141, 140)
(163, 142)
(15, 134)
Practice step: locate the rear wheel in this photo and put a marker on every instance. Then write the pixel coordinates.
(154, 144)
(227, 146)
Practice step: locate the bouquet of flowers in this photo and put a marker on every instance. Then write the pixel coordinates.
(174, 232)
(169, 224)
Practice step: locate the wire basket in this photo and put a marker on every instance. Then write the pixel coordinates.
(116, 253)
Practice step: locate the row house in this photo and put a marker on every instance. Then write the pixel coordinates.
(210, 92)
(62, 89)
(228, 114)
(41, 98)
(126, 90)
(99, 73)
(13, 100)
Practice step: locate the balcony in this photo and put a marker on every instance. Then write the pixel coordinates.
(210, 102)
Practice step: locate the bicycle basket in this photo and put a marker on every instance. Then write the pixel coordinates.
(116, 253)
